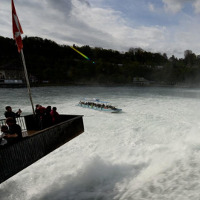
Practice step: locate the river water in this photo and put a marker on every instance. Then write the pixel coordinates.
(149, 151)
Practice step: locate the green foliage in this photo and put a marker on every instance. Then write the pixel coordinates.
(47, 60)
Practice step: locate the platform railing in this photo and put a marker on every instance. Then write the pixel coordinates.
(19, 120)
(23, 153)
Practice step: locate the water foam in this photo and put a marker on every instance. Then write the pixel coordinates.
(150, 151)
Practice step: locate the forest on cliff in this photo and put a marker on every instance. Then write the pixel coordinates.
(47, 60)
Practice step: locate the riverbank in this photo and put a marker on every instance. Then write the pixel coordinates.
(178, 85)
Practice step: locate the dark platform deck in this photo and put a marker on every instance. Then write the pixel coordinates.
(37, 143)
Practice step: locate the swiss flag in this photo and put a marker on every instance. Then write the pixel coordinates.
(17, 29)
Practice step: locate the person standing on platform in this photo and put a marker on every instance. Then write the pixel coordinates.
(40, 112)
(4, 131)
(47, 119)
(10, 113)
(55, 115)
(14, 131)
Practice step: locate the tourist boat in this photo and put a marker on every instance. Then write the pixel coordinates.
(36, 143)
(96, 104)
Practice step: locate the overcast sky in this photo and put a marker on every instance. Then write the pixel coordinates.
(165, 26)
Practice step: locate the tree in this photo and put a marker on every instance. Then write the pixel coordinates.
(190, 58)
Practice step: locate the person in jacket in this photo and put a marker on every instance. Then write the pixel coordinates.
(55, 115)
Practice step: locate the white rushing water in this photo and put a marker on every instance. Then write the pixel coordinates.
(149, 151)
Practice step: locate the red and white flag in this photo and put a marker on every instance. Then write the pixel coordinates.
(17, 29)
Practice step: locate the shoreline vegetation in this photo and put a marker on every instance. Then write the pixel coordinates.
(50, 64)
(178, 85)
(115, 85)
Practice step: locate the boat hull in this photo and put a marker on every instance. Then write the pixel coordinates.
(22, 154)
(117, 110)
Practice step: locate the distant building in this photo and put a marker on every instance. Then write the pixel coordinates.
(33, 79)
(140, 81)
(159, 67)
(11, 74)
(120, 65)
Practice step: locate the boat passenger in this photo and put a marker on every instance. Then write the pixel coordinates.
(10, 113)
(55, 115)
(14, 131)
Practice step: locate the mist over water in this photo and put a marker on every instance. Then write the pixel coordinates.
(149, 151)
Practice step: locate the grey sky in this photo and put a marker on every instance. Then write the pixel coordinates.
(165, 26)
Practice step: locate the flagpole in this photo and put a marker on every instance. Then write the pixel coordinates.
(17, 31)
(27, 80)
